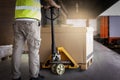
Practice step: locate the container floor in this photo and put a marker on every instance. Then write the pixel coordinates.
(105, 66)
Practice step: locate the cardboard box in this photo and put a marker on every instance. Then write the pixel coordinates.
(77, 41)
(5, 50)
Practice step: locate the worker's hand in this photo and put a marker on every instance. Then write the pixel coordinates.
(58, 6)
(46, 7)
(53, 4)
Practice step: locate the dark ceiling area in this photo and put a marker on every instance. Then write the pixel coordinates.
(86, 8)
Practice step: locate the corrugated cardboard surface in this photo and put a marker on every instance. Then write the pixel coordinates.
(7, 8)
(73, 39)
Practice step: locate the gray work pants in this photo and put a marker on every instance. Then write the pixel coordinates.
(30, 31)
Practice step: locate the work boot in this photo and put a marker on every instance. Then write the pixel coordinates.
(17, 78)
(38, 78)
(41, 76)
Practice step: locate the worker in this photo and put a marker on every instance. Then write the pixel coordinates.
(27, 27)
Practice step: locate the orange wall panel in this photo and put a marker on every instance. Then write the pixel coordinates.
(104, 26)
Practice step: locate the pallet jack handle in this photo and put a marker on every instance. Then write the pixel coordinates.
(55, 54)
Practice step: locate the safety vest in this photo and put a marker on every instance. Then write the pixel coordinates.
(28, 9)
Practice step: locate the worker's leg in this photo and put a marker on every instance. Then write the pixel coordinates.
(33, 40)
(17, 51)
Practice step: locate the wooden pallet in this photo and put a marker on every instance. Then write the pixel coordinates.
(5, 58)
(84, 66)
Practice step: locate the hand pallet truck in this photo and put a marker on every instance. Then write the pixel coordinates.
(60, 58)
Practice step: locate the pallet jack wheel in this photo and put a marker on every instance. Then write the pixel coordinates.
(53, 68)
(60, 69)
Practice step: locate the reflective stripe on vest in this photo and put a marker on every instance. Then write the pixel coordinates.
(28, 9)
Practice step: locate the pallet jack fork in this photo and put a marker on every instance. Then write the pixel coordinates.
(58, 67)
(60, 58)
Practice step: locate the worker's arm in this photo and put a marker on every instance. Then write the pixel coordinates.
(52, 3)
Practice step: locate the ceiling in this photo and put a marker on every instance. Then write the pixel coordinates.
(86, 8)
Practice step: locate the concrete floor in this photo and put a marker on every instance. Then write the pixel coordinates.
(106, 66)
